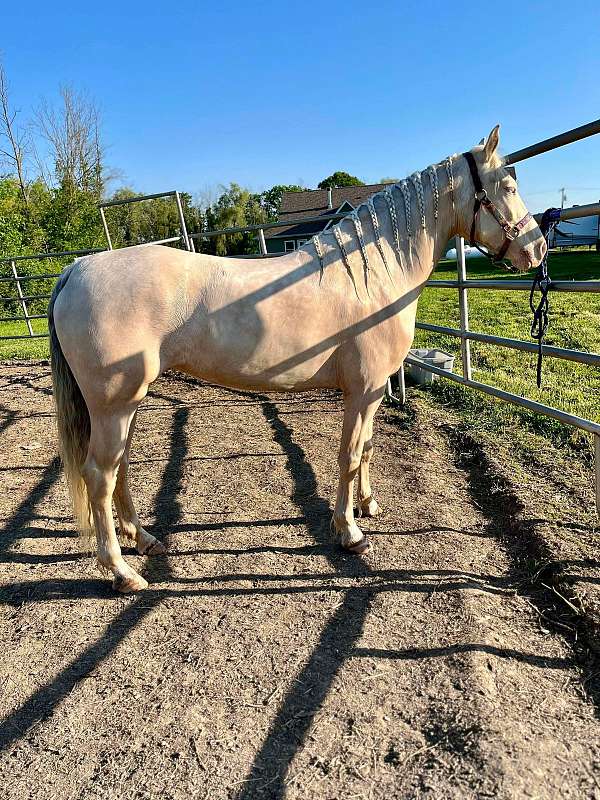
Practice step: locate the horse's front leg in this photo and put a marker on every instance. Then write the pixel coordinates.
(129, 523)
(367, 505)
(358, 416)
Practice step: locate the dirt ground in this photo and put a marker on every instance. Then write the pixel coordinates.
(457, 660)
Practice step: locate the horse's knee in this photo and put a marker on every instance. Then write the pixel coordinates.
(349, 461)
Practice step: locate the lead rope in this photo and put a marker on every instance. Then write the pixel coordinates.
(542, 282)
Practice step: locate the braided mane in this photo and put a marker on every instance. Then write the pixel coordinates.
(395, 204)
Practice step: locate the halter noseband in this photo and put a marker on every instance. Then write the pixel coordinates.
(511, 231)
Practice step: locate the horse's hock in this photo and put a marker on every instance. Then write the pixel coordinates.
(455, 661)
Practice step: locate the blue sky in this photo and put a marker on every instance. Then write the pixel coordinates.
(194, 95)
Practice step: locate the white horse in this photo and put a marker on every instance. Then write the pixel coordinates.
(337, 313)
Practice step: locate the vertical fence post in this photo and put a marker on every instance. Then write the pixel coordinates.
(597, 470)
(105, 226)
(13, 267)
(261, 242)
(402, 384)
(463, 303)
(184, 233)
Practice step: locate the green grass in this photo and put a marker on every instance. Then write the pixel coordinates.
(23, 348)
(27, 348)
(574, 323)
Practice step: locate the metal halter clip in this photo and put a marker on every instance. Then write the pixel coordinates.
(481, 196)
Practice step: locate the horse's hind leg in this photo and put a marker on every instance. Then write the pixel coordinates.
(367, 505)
(108, 439)
(129, 523)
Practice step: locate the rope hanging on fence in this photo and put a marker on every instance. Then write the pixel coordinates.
(542, 282)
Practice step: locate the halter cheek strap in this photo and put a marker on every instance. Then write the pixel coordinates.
(511, 231)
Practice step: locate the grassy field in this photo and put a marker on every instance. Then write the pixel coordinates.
(23, 348)
(575, 323)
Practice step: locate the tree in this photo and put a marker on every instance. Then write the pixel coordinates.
(235, 208)
(340, 179)
(389, 180)
(76, 175)
(13, 137)
(270, 199)
(72, 132)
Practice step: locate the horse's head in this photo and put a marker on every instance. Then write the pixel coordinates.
(495, 215)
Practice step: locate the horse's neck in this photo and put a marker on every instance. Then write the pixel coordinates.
(417, 217)
(443, 207)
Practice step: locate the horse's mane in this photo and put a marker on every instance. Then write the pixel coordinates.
(423, 187)
(410, 195)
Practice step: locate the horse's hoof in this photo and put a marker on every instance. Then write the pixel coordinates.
(360, 548)
(129, 584)
(369, 508)
(154, 548)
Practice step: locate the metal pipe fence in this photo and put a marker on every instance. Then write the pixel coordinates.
(22, 299)
(183, 237)
(466, 335)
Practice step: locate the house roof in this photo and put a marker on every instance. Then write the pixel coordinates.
(314, 203)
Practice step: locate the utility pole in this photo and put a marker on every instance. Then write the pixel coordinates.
(563, 196)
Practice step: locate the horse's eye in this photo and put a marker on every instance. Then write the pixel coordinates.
(510, 189)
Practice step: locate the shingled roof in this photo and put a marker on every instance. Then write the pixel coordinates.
(314, 203)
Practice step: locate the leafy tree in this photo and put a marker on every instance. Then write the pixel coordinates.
(235, 208)
(340, 179)
(271, 198)
(138, 222)
(21, 231)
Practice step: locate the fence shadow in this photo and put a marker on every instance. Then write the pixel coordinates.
(43, 701)
(15, 526)
(299, 707)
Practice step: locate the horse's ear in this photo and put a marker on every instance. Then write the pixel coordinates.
(492, 142)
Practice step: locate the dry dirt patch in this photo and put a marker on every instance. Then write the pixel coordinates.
(263, 662)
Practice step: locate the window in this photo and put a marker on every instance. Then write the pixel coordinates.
(289, 245)
(300, 242)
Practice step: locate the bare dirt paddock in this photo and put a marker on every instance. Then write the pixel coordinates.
(455, 661)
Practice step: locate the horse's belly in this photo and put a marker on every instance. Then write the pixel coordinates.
(295, 370)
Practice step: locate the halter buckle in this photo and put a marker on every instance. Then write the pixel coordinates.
(511, 231)
(481, 196)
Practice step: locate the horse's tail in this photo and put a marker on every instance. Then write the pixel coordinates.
(73, 420)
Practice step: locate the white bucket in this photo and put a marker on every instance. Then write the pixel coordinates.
(437, 358)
